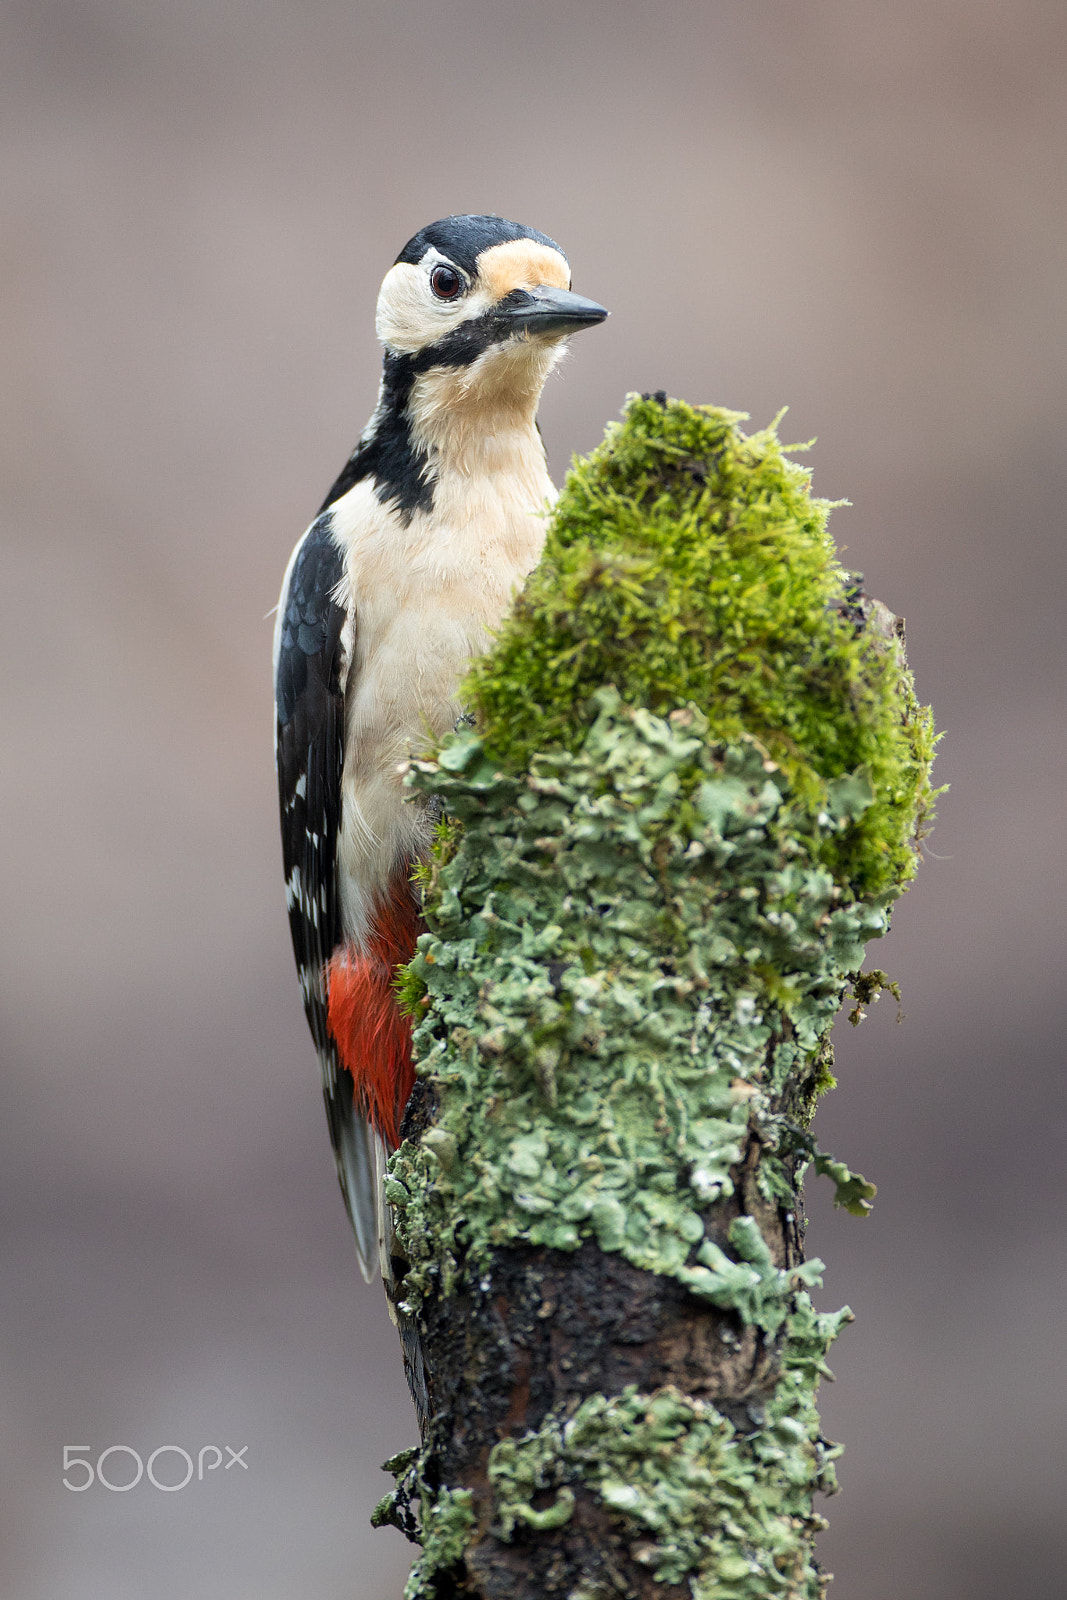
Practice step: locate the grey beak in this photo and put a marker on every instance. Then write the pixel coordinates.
(548, 310)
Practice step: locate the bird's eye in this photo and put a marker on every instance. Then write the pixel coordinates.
(445, 283)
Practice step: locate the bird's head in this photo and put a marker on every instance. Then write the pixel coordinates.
(481, 307)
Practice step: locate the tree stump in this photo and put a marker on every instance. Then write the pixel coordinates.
(694, 786)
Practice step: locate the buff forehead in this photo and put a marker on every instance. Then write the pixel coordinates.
(521, 264)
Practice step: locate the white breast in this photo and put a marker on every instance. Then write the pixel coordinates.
(423, 600)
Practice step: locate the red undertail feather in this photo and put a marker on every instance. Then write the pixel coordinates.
(373, 1039)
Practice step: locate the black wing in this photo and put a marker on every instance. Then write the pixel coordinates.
(309, 687)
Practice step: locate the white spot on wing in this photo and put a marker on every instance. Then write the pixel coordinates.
(296, 895)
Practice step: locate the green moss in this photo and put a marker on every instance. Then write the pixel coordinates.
(688, 562)
(867, 988)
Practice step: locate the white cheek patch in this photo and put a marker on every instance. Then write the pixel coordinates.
(404, 319)
(410, 316)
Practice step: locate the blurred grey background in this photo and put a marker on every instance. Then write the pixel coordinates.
(853, 208)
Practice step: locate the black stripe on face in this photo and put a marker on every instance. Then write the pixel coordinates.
(462, 346)
(462, 240)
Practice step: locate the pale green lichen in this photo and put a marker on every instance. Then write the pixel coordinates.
(446, 1521)
(636, 953)
(693, 793)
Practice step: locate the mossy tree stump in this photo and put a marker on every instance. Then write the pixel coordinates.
(693, 789)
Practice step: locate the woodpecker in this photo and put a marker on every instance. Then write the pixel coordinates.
(434, 521)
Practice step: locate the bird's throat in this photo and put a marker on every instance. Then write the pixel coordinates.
(481, 418)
